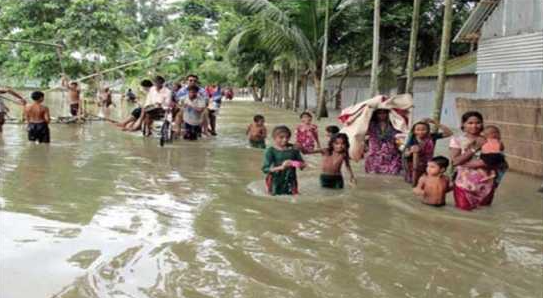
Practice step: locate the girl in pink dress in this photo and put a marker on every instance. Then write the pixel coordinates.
(307, 134)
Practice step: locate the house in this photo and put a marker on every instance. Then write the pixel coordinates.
(355, 87)
(461, 81)
(509, 37)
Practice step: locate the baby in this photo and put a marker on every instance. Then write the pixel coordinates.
(492, 155)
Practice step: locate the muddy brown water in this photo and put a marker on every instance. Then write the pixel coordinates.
(103, 213)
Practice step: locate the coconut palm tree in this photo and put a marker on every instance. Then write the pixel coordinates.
(291, 28)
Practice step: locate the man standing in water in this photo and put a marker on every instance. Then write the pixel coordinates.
(158, 98)
(37, 116)
(74, 95)
(214, 107)
(193, 109)
(182, 95)
(3, 108)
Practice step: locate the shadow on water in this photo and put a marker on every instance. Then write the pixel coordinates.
(111, 214)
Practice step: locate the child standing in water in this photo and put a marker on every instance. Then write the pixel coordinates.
(307, 134)
(74, 94)
(38, 119)
(330, 131)
(280, 163)
(419, 148)
(434, 185)
(334, 157)
(257, 132)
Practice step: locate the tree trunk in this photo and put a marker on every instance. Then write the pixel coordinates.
(272, 89)
(306, 85)
(443, 56)
(284, 88)
(374, 81)
(254, 93)
(412, 46)
(262, 91)
(295, 99)
(321, 104)
(288, 87)
(337, 94)
(277, 90)
(319, 91)
(298, 94)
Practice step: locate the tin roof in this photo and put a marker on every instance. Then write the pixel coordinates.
(466, 64)
(470, 30)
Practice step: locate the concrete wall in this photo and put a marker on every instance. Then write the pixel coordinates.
(424, 97)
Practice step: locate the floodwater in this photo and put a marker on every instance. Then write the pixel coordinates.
(103, 213)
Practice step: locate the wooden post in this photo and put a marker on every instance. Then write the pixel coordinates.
(412, 46)
(443, 56)
(374, 81)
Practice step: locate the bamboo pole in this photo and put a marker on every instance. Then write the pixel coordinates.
(374, 81)
(443, 56)
(10, 100)
(321, 106)
(413, 46)
(106, 71)
(31, 42)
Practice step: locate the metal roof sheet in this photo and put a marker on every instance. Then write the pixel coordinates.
(466, 64)
(471, 28)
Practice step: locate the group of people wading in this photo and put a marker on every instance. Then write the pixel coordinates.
(476, 155)
(194, 108)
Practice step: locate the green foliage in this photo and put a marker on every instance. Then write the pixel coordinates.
(229, 42)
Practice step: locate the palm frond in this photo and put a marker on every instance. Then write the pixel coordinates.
(234, 44)
(265, 9)
(343, 6)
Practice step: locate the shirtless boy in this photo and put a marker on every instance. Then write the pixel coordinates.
(256, 132)
(434, 185)
(37, 116)
(74, 95)
(334, 157)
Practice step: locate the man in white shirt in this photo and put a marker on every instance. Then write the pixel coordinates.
(158, 99)
(182, 94)
(193, 109)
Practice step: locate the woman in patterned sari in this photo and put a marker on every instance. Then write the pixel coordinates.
(470, 188)
(382, 157)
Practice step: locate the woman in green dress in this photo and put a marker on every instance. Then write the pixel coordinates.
(280, 163)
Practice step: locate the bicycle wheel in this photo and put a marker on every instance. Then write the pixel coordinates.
(165, 133)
